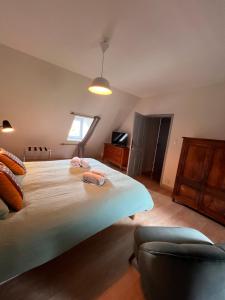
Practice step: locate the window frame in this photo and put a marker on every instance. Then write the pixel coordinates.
(78, 139)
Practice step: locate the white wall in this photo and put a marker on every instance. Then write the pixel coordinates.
(197, 113)
(37, 98)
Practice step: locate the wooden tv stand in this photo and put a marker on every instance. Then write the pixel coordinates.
(116, 155)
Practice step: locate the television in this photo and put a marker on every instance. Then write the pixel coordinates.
(119, 138)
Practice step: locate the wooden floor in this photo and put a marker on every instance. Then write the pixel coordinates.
(98, 268)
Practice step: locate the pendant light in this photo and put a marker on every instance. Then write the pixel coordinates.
(100, 85)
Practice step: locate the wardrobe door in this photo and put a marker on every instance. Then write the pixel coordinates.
(213, 200)
(194, 166)
(216, 177)
(192, 172)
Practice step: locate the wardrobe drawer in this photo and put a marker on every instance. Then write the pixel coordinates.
(213, 206)
(187, 196)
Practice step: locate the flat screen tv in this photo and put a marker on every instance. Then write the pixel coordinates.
(119, 138)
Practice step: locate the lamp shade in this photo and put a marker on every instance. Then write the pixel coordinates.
(6, 126)
(100, 86)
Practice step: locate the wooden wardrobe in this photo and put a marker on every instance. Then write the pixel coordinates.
(200, 180)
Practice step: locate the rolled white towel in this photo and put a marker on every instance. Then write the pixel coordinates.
(75, 162)
(90, 177)
(98, 172)
(76, 159)
(84, 164)
(79, 163)
(75, 165)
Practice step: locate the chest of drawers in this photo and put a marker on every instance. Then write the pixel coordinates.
(116, 155)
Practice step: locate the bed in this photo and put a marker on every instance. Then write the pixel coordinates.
(60, 211)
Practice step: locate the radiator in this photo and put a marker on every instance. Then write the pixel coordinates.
(37, 153)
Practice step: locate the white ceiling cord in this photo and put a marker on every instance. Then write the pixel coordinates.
(104, 46)
(100, 85)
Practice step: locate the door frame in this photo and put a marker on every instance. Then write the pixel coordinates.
(169, 115)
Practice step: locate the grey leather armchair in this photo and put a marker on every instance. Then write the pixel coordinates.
(179, 264)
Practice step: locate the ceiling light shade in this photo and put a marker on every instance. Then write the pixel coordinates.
(6, 126)
(100, 86)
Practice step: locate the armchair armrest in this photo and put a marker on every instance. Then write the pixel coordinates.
(185, 251)
(221, 246)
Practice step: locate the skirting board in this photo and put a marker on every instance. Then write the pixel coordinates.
(166, 187)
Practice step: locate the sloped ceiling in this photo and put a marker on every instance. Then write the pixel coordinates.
(37, 98)
(156, 45)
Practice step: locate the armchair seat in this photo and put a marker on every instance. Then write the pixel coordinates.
(179, 264)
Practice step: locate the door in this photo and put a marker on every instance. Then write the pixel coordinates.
(151, 138)
(137, 146)
(161, 148)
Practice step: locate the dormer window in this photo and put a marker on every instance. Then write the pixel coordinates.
(79, 128)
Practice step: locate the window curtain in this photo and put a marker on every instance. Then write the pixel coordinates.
(81, 145)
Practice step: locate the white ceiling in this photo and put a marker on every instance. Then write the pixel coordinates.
(156, 45)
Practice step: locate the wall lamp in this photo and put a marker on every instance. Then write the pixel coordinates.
(6, 126)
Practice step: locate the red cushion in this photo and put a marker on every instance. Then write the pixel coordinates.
(10, 191)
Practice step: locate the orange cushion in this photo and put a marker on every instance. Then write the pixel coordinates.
(12, 162)
(10, 191)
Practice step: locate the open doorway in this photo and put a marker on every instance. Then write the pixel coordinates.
(148, 147)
